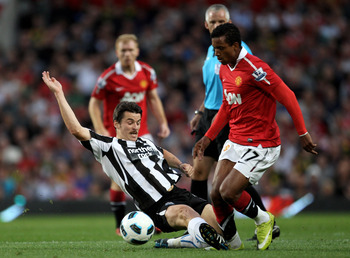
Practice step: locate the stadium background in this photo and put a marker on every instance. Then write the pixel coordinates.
(306, 42)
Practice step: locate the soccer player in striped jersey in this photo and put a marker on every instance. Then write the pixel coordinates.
(143, 171)
(126, 80)
(251, 89)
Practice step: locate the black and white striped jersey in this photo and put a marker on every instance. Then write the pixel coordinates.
(139, 167)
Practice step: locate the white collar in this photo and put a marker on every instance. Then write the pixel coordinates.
(241, 55)
(119, 70)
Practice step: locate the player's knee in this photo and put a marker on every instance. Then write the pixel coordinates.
(184, 212)
(200, 173)
(228, 195)
(180, 212)
(202, 168)
(114, 186)
(215, 195)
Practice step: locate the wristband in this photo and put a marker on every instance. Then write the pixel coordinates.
(303, 134)
(198, 112)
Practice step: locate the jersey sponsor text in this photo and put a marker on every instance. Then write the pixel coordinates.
(233, 98)
(133, 97)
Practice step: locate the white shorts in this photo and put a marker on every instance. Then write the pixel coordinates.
(251, 161)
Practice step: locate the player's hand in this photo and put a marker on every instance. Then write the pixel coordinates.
(164, 131)
(194, 122)
(54, 85)
(200, 146)
(308, 145)
(187, 169)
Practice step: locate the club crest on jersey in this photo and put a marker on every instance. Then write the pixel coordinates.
(238, 81)
(143, 84)
(226, 147)
(259, 74)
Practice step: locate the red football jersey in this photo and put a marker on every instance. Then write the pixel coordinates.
(113, 86)
(251, 89)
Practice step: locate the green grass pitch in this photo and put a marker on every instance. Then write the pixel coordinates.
(305, 235)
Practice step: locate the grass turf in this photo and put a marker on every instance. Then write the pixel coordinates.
(305, 235)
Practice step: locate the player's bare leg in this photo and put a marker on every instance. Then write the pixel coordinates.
(202, 169)
(228, 191)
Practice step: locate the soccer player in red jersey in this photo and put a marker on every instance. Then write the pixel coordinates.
(251, 89)
(126, 80)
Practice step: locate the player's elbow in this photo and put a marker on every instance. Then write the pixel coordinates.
(77, 132)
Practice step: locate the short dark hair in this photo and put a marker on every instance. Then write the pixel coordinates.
(125, 106)
(230, 31)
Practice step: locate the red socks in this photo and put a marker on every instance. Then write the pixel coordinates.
(116, 196)
(242, 202)
(246, 205)
(221, 212)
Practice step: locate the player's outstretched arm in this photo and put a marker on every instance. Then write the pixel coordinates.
(287, 98)
(187, 169)
(174, 162)
(69, 118)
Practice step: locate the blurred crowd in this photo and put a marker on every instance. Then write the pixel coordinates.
(306, 42)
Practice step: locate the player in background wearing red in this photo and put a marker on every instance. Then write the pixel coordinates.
(126, 80)
(251, 89)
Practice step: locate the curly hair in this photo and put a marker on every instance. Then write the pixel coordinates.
(230, 31)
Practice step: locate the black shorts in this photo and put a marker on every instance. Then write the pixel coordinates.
(174, 197)
(215, 147)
